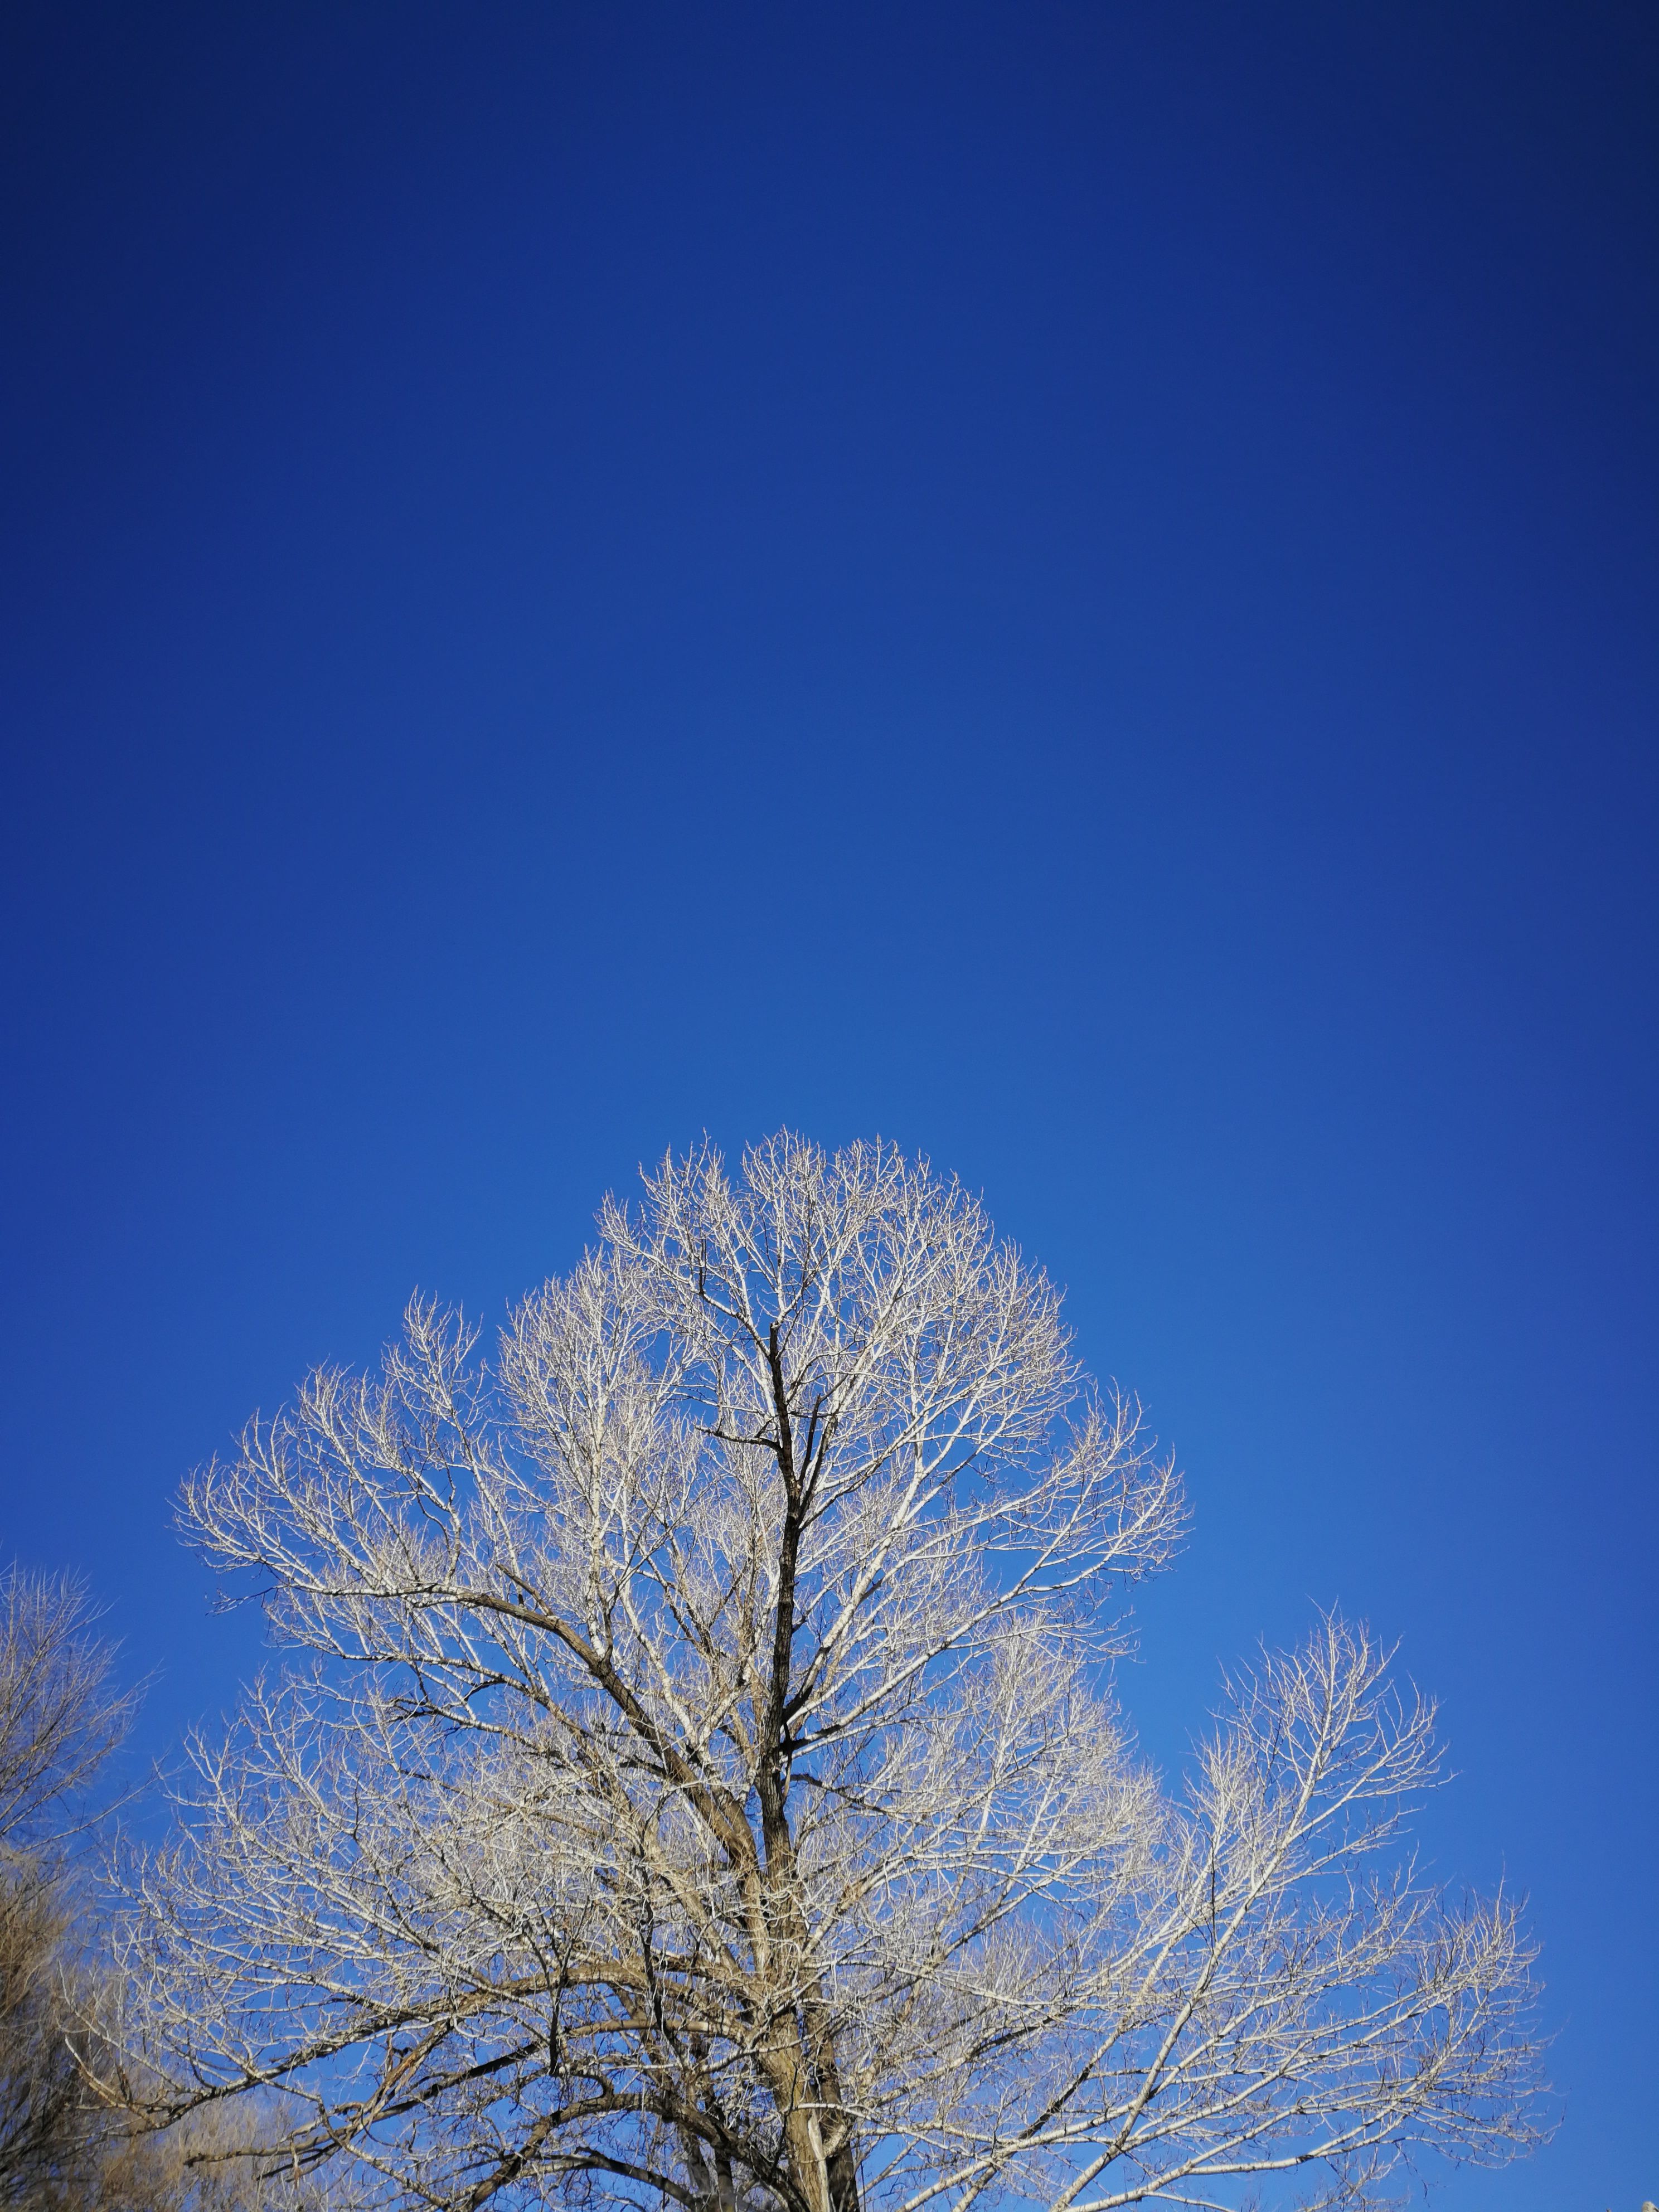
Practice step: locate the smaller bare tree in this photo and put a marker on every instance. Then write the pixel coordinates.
(59, 1716)
(59, 1719)
(78, 2129)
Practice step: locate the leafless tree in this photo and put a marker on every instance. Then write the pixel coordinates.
(59, 1719)
(45, 2141)
(76, 2132)
(59, 1716)
(704, 1784)
(211, 2160)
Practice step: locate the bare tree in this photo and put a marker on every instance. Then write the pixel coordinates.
(59, 1716)
(704, 1785)
(60, 1719)
(74, 2136)
(214, 2159)
(47, 2136)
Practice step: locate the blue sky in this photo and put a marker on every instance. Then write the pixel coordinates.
(1074, 585)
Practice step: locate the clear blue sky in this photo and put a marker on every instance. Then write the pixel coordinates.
(1075, 586)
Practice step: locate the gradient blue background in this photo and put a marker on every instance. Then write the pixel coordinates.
(1072, 584)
